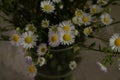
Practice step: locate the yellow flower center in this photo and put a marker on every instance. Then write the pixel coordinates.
(45, 23)
(47, 7)
(31, 28)
(102, 1)
(78, 13)
(54, 38)
(85, 19)
(66, 28)
(67, 37)
(31, 69)
(87, 30)
(43, 49)
(28, 39)
(94, 10)
(117, 42)
(106, 20)
(15, 37)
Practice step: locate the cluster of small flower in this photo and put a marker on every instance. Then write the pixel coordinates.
(63, 33)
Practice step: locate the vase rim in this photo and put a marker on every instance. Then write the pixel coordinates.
(62, 49)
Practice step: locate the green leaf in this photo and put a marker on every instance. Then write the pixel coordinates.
(107, 9)
(108, 59)
(78, 59)
(105, 49)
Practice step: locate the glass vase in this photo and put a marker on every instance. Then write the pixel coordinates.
(57, 67)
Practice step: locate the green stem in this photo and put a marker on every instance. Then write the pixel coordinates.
(86, 47)
(101, 39)
(89, 48)
(92, 48)
(112, 53)
(117, 22)
(6, 19)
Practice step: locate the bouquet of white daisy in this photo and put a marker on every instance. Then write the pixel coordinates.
(50, 32)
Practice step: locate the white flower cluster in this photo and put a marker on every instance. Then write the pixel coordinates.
(83, 18)
(64, 33)
(27, 39)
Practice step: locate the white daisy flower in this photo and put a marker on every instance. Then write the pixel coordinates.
(28, 40)
(30, 27)
(102, 67)
(85, 19)
(41, 61)
(45, 23)
(67, 38)
(28, 59)
(114, 42)
(78, 12)
(54, 28)
(106, 19)
(56, 1)
(102, 2)
(15, 38)
(75, 32)
(87, 4)
(66, 26)
(54, 38)
(42, 49)
(61, 6)
(75, 20)
(32, 71)
(95, 9)
(87, 31)
(47, 6)
(72, 65)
